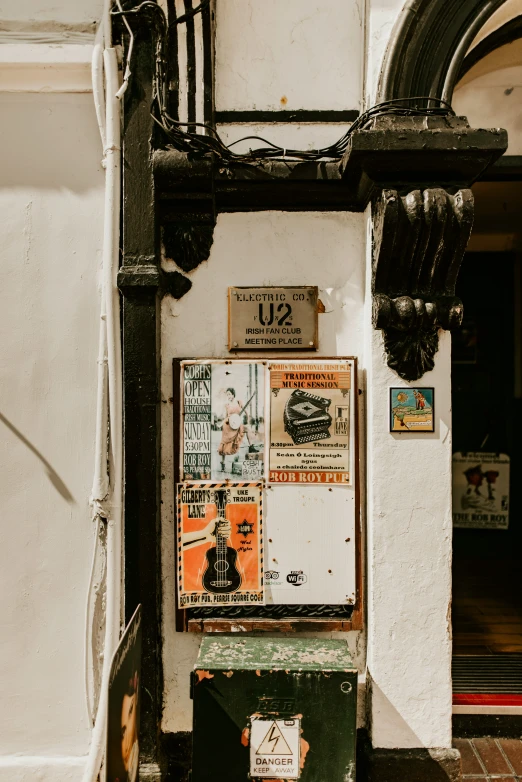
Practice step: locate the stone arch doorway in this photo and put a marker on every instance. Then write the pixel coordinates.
(434, 48)
(428, 45)
(487, 608)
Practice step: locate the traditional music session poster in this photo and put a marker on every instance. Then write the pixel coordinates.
(481, 490)
(310, 422)
(223, 413)
(220, 544)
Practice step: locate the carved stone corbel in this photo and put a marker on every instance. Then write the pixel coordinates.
(418, 244)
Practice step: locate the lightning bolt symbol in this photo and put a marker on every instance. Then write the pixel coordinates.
(271, 737)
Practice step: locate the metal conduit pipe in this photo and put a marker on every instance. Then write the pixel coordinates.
(110, 131)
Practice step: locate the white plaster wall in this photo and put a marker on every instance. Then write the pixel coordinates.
(381, 15)
(263, 248)
(29, 13)
(508, 10)
(307, 135)
(409, 540)
(296, 54)
(51, 196)
(490, 93)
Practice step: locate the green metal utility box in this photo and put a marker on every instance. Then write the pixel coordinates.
(274, 709)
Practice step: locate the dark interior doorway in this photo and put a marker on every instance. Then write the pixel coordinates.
(487, 417)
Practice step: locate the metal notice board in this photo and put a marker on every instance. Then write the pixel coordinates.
(273, 318)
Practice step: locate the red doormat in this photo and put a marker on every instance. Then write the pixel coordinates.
(483, 699)
(487, 680)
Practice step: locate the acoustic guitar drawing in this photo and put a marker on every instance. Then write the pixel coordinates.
(221, 573)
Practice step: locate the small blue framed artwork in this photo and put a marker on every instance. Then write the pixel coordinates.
(412, 409)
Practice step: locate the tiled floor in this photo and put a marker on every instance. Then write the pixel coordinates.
(490, 759)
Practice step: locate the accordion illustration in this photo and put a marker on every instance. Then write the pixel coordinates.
(306, 417)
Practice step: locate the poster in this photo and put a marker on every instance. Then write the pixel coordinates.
(481, 490)
(124, 706)
(310, 422)
(223, 414)
(412, 410)
(220, 544)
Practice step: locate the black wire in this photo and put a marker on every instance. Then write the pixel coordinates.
(199, 144)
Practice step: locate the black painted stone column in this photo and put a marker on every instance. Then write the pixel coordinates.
(139, 282)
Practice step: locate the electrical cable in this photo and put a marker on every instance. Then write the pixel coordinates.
(201, 144)
(127, 73)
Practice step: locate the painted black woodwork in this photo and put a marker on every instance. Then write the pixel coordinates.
(416, 171)
(422, 218)
(280, 612)
(139, 282)
(426, 57)
(418, 245)
(428, 45)
(400, 152)
(187, 244)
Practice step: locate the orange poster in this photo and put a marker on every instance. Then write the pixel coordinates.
(310, 422)
(220, 544)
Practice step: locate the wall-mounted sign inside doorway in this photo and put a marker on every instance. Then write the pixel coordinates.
(272, 318)
(481, 490)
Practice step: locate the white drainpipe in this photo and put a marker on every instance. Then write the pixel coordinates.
(110, 507)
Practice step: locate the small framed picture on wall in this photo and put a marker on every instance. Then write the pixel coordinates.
(412, 409)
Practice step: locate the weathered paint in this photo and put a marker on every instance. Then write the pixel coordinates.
(276, 49)
(260, 654)
(305, 747)
(203, 675)
(299, 691)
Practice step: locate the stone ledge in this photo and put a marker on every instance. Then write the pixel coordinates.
(398, 152)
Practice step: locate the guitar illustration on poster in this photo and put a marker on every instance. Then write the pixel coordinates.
(220, 544)
(221, 575)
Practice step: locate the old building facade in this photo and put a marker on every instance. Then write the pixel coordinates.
(378, 217)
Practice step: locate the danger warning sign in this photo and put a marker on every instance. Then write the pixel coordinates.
(274, 748)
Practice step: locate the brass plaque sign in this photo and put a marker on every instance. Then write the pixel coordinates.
(272, 318)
